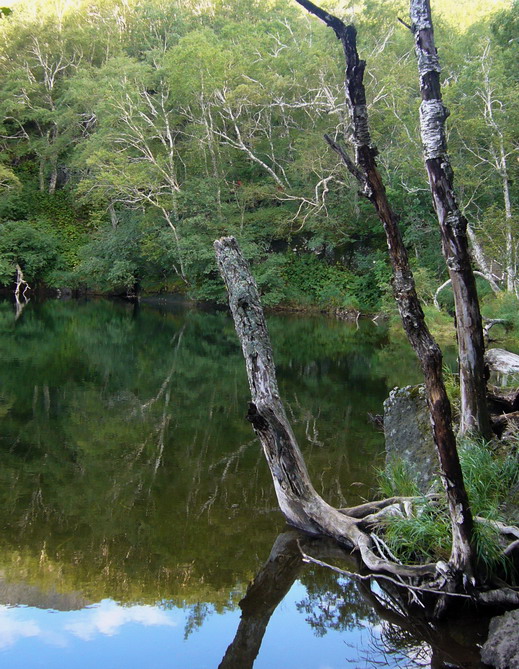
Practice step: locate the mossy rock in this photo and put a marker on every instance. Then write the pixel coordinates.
(408, 434)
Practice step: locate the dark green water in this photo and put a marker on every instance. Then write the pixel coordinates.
(135, 505)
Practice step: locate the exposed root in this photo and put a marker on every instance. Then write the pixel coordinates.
(363, 510)
(366, 577)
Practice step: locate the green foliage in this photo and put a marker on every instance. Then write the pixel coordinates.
(503, 305)
(112, 259)
(35, 251)
(210, 119)
(490, 478)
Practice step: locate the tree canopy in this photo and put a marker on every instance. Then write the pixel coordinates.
(133, 134)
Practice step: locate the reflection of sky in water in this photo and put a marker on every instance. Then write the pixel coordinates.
(110, 636)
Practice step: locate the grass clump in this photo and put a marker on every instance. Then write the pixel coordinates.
(397, 479)
(491, 480)
(489, 477)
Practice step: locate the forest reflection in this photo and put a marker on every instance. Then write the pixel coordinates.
(128, 471)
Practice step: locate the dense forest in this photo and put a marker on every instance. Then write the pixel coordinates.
(133, 133)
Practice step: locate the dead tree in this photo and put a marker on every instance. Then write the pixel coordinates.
(298, 500)
(21, 287)
(453, 225)
(364, 168)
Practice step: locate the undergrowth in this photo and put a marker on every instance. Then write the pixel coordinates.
(492, 483)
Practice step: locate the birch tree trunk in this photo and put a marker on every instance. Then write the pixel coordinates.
(453, 226)
(364, 168)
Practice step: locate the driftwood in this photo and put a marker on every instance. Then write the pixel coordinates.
(504, 362)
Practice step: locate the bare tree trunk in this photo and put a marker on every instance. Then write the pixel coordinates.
(299, 502)
(113, 215)
(366, 172)
(41, 174)
(53, 180)
(511, 260)
(453, 226)
(21, 286)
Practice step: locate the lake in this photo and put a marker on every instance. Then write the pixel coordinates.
(136, 507)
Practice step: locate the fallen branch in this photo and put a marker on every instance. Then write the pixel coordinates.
(368, 577)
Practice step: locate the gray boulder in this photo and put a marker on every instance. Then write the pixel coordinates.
(408, 434)
(501, 649)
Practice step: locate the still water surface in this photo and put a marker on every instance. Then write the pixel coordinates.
(135, 505)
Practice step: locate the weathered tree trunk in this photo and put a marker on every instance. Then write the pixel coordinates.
(453, 226)
(299, 502)
(365, 170)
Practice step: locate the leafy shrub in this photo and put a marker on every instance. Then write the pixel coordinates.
(34, 250)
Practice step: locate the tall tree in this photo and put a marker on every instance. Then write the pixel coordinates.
(433, 113)
(365, 170)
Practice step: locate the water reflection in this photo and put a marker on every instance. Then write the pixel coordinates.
(401, 631)
(130, 479)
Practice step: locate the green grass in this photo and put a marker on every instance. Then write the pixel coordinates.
(490, 479)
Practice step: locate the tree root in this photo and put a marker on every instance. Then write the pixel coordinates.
(368, 508)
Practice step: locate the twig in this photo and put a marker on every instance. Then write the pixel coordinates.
(366, 577)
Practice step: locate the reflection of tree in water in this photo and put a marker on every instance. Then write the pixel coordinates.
(333, 603)
(393, 648)
(127, 469)
(405, 638)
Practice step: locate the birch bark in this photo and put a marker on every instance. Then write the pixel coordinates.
(453, 226)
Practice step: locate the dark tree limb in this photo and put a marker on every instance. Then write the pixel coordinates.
(453, 225)
(427, 350)
(270, 586)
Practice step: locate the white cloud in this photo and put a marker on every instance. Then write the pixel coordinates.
(13, 628)
(108, 617)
